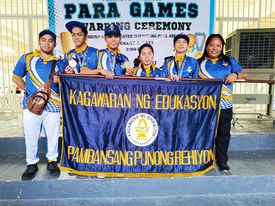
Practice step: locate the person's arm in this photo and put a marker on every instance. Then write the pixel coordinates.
(174, 77)
(20, 70)
(237, 72)
(242, 75)
(86, 70)
(60, 65)
(104, 72)
(234, 76)
(19, 82)
(69, 70)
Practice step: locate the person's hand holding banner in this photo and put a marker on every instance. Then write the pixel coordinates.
(107, 74)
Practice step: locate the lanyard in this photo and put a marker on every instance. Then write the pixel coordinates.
(181, 68)
(112, 61)
(80, 61)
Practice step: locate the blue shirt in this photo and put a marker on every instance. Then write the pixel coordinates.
(186, 68)
(211, 69)
(86, 58)
(113, 62)
(36, 71)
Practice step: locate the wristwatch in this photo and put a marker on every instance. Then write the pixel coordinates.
(236, 74)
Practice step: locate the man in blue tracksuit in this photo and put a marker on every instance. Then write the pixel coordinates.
(82, 57)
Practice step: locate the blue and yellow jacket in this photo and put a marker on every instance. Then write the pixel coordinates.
(218, 69)
(86, 58)
(149, 71)
(184, 66)
(112, 61)
(36, 71)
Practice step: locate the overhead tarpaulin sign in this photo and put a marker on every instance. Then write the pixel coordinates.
(138, 128)
(152, 21)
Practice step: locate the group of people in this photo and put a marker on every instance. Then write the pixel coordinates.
(110, 62)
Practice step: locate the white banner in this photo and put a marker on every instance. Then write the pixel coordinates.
(145, 21)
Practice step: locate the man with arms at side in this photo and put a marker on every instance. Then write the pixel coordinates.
(36, 67)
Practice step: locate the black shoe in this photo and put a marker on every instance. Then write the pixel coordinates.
(53, 168)
(30, 172)
(226, 172)
(223, 167)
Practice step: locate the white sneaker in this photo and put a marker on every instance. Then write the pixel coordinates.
(100, 175)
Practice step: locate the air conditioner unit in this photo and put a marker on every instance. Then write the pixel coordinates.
(255, 51)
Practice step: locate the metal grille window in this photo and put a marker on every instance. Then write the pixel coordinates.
(228, 46)
(20, 22)
(244, 14)
(257, 50)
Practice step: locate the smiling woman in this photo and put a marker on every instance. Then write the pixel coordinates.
(215, 64)
(143, 64)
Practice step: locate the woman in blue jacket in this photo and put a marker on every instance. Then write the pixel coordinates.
(180, 65)
(143, 65)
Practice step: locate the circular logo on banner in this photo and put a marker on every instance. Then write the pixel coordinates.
(142, 129)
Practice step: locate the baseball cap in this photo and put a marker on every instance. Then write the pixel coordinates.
(181, 36)
(72, 24)
(47, 31)
(112, 29)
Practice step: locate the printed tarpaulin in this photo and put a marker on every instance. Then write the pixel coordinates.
(138, 128)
